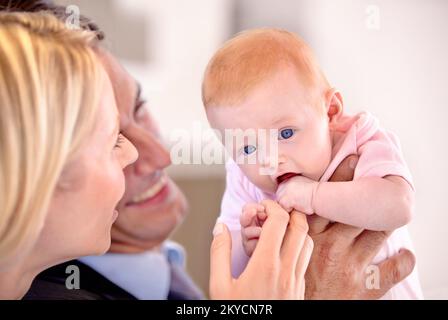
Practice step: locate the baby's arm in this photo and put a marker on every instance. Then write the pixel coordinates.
(378, 204)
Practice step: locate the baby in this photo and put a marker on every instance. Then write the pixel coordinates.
(269, 79)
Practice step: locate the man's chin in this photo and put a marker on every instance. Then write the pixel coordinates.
(139, 240)
(149, 226)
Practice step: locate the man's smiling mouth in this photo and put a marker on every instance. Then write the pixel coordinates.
(151, 192)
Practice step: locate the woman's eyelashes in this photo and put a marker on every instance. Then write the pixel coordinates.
(120, 140)
(286, 134)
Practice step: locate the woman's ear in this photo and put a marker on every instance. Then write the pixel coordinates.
(334, 105)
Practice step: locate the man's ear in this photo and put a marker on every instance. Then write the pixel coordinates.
(334, 105)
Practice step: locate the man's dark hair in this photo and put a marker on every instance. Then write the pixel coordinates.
(58, 11)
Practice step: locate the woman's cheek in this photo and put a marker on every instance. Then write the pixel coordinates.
(118, 180)
(112, 182)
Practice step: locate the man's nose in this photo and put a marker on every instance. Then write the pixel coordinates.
(152, 154)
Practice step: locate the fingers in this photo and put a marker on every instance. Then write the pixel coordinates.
(247, 216)
(317, 224)
(220, 257)
(294, 239)
(284, 197)
(249, 212)
(262, 216)
(249, 247)
(274, 229)
(286, 203)
(304, 258)
(253, 206)
(368, 244)
(250, 233)
(343, 234)
(394, 270)
(346, 170)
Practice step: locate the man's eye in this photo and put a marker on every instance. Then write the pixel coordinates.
(286, 134)
(140, 109)
(249, 150)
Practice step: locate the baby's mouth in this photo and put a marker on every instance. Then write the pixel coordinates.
(286, 176)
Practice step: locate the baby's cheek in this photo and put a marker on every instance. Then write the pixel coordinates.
(324, 161)
(319, 157)
(263, 182)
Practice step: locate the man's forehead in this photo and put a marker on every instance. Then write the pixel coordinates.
(125, 86)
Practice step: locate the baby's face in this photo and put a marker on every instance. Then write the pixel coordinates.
(304, 140)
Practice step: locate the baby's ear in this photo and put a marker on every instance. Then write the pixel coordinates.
(334, 105)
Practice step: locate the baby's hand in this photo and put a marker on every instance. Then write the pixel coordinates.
(297, 193)
(252, 219)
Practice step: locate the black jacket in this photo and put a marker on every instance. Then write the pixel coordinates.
(50, 285)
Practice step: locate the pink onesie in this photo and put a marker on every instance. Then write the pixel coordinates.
(379, 156)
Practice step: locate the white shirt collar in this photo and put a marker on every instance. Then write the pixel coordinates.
(147, 276)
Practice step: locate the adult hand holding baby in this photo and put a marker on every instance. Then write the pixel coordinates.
(277, 267)
(342, 253)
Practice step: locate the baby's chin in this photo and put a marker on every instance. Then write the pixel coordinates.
(270, 189)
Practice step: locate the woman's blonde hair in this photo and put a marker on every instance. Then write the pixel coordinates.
(50, 83)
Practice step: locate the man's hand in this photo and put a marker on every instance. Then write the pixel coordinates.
(342, 253)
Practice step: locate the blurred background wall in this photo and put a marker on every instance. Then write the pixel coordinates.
(386, 56)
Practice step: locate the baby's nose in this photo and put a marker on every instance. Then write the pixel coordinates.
(281, 159)
(268, 166)
(268, 160)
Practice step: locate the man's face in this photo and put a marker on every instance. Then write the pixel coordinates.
(152, 206)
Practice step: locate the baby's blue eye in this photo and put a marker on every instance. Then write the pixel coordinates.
(285, 134)
(249, 149)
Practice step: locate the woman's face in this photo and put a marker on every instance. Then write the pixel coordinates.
(152, 205)
(83, 207)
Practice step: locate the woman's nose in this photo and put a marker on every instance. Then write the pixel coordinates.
(130, 154)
